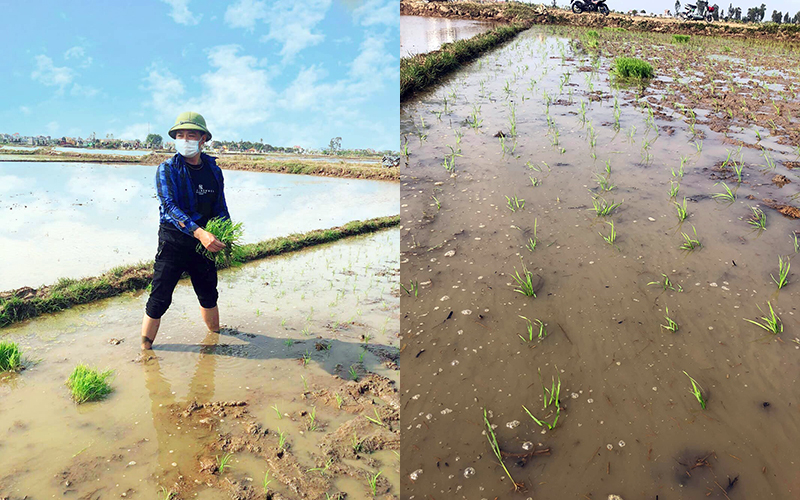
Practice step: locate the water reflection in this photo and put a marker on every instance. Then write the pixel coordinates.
(423, 34)
(74, 220)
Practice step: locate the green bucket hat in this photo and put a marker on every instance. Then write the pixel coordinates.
(189, 120)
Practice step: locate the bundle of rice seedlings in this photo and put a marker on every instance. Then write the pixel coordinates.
(229, 233)
(630, 67)
(681, 38)
(88, 384)
(10, 359)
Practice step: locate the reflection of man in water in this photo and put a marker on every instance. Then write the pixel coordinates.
(180, 446)
(190, 189)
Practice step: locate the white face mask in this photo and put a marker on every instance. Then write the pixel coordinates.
(187, 148)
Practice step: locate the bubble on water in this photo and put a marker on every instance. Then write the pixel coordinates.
(444, 298)
(590, 400)
(454, 362)
(450, 253)
(527, 446)
(466, 312)
(610, 446)
(415, 475)
(621, 444)
(469, 471)
(574, 395)
(512, 424)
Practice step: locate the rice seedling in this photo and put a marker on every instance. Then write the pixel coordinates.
(496, 448)
(515, 203)
(305, 383)
(771, 324)
(666, 284)
(673, 188)
(339, 400)
(224, 462)
(306, 358)
(474, 119)
(604, 182)
(728, 195)
(353, 373)
(377, 420)
(542, 330)
(532, 242)
(770, 162)
(682, 213)
(758, 219)
(88, 384)
(275, 407)
(737, 169)
(550, 397)
(612, 236)
(266, 482)
(524, 282)
(690, 243)
(355, 443)
(796, 241)
(10, 357)
(322, 470)
(166, 494)
(697, 391)
(629, 67)
(312, 419)
(230, 234)
(412, 287)
(783, 272)
(608, 167)
(512, 121)
(603, 208)
(535, 181)
(438, 203)
(671, 325)
(281, 439)
(373, 482)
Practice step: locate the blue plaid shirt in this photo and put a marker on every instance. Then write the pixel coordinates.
(177, 197)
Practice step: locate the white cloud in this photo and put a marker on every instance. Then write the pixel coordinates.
(78, 53)
(181, 13)
(83, 91)
(235, 95)
(292, 23)
(25, 110)
(374, 12)
(134, 131)
(50, 75)
(374, 63)
(245, 14)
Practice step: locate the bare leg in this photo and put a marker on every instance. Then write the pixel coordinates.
(211, 318)
(149, 331)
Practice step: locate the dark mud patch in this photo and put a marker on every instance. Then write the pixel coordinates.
(782, 208)
(780, 180)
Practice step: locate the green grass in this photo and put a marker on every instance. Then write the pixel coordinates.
(771, 324)
(632, 68)
(681, 38)
(10, 357)
(783, 272)
(758, 219)
(66, 293)
(697, 391)
(88, 384)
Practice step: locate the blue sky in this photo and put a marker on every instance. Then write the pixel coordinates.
(290, 73)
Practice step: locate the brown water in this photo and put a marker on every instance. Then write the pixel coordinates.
(135, 442)
(419, 35)
(628, 424)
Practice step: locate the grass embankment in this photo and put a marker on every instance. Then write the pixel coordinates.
(24, 303)
(329, 168)
(422, 70)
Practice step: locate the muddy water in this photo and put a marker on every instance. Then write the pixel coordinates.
(72, 220)
(423, 34)
(628, 424)
(135, 442)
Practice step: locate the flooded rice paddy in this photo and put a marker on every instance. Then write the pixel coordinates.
(419, 35)
(511, 159)
(297, 328)
(74, 220)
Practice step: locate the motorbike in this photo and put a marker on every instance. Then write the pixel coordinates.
(698, 12)
(600, 6)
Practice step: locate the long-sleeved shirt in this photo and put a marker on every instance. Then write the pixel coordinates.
(177, 197)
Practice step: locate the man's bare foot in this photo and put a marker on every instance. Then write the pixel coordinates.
(147, 344)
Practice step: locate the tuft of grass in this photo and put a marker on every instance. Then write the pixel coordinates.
(681, 38)
(230, 234)
(697, 391)
(783, 272)
(612, 237)
(515, 203)
(682, 213)
(690, 243)
(603, 208)
(532, 242)
(524, 282)
(666, 284)
(771, 324)
(88, 384)
(373, 482)
(630, 67)
(10, 357)
(529, 326)
(551, 396)
(728, 195)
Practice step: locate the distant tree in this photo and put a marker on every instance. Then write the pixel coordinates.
(731, 10)
(737, 13)
(715, 14)
(634, 12)
(761, 12)
(335, 145)
(796, 18)
(153, 141)
(777, 16)
(786, 19)
(752, 15)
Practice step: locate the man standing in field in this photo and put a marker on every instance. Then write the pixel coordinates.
(191, 191)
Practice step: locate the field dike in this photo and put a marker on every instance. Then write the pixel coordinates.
(24, 303)
(332, 168)
(538, 14)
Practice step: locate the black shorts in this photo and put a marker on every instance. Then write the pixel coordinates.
(177, 254)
